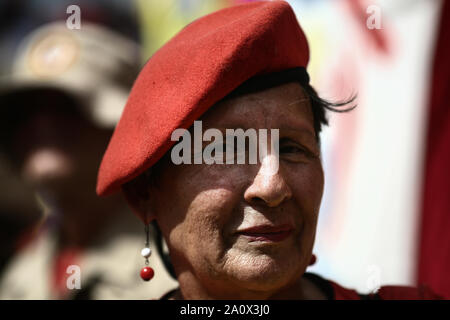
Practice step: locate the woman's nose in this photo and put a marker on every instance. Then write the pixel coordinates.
(268, 187)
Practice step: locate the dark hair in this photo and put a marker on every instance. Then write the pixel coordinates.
(319, 106)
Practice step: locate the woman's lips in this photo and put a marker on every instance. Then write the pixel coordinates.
(266, 233)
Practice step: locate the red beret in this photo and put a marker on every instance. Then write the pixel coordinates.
(203, 63)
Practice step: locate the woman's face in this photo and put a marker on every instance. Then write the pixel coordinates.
(240, 228)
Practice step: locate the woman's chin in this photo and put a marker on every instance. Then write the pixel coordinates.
(262, 272)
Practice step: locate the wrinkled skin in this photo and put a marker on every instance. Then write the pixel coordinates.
(200, 208)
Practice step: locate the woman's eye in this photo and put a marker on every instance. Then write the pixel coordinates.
(292, 149)
(296, 153)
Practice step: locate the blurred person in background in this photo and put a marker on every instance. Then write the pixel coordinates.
(58, 108)
(20, 213)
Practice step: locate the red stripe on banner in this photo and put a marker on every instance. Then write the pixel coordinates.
(434, 249)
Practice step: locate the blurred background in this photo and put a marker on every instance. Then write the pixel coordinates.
(385, 214)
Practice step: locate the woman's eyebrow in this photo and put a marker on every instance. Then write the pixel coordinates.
(293, 127)
(298, 101)
(299, 131)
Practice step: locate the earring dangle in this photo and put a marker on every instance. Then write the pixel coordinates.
(147, 273)
(313, 260)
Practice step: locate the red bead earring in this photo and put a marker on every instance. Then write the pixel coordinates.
(313, 260)
(147, 273)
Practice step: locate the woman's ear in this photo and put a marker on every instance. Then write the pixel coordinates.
(138, 195)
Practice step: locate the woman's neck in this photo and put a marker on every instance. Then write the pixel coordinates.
(302, 289)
